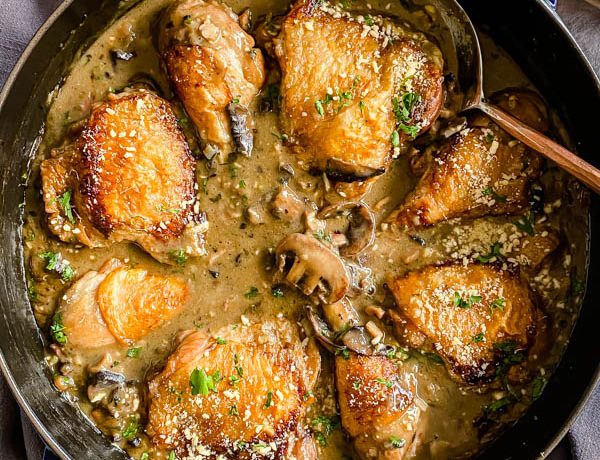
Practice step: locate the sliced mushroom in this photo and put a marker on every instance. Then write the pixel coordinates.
(361, 227)
(322, 331)
(341, 315)
(361, 280)
(241, 129)
(305, 263)
(103, 384)
(346, 323)
(287, 206)
(348, 332)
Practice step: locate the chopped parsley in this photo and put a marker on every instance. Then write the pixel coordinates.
(277, 292)
(187, 19)
(179, 256)
(55, 262)
(202, 383)
(68, 273)
(221, 341)
(496, 196)
(492, 255)
(233, 171)
(537, 386)
(356, 385)
(369, 20)
(251, 293)
(459, 302)
(323, 426)
(233, 410)
(403, 109)
(397, 442)
(57, 329)
(242, 184)
(321, 235)
(319, 107)
(497, 304)
(387, 383)
(343, 98)
(145, 456)
(478, 338)
(434, 357)
(172, 455)
(65, 203)
(281, 137)
(269, 401)
(526, 224)
(204, 185)
(343, 352)
(510, 354)
(398, 353)
(134, 352)
(499, 405)
(577, 285)
(131, 429)
(489, 138)
(234, 379)
(32, 291)
(395, 139)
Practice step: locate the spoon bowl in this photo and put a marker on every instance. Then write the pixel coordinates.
(468, 64)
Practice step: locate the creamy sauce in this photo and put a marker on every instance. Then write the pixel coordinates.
(235, 278)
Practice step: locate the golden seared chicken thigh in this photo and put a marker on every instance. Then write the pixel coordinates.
(377, 407)
(128, 177)
(215, 70)
(241, 393)
(478, 171)
(354, 88)
(118, 304)
(472, 316)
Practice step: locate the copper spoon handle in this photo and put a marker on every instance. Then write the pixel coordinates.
(565, 159)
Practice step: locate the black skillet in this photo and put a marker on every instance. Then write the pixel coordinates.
(528, 29)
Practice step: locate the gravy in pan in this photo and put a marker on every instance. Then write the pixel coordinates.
(233, 282)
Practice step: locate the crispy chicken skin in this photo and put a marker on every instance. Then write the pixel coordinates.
(119, 304)
(129, 176)
(377, 407)
(465, 314)
(477, 172)
(261, 376)
(339, 80)
(215, 70)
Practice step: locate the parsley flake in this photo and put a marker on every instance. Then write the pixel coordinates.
(269, 401)
(57, 329)
(179, 256)
(459, 302)
(201, 383)
(387, 383)
(478, 338)
(497, 304)
(251, 293)
(65, 203)
(397, 442)
(131, 429)
(134, 352)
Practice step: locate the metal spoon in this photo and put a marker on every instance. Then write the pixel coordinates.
(470, 77)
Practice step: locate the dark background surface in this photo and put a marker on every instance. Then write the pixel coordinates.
(19, 19)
